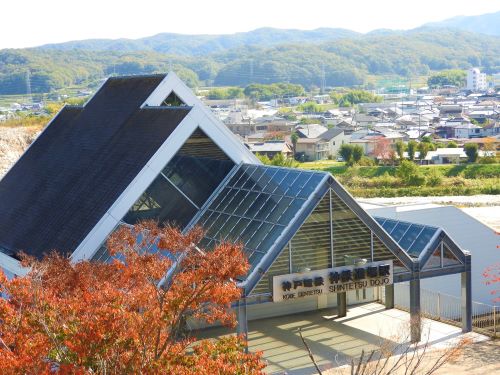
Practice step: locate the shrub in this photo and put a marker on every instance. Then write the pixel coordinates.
(407, 170)
(488, 160)
(482, 171)
(434, 177)
(366, 162)
(416, 180)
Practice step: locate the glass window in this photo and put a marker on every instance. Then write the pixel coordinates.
(448, 258)
(435, 259)
(186, 172)
(161, 201)
(198, 168)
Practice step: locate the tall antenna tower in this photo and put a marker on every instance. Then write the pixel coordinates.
(28, 85)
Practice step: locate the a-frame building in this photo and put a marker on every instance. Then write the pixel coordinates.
(145, 147)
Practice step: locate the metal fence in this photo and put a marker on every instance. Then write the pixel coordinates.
(446, 308)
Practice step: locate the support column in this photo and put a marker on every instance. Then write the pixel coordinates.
(242, 327)
(341, 304)
(389, 296)
(415, 318)
(466, 291)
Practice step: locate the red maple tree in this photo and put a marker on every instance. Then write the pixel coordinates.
(94, 317)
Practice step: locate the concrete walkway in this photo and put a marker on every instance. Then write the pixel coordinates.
(335, 341)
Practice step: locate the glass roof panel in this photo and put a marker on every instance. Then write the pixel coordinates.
(399, 230)
(256, 205)
(422, 240)
(412, 238)
(410, 235)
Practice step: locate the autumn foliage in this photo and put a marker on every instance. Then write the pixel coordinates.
(93, 317)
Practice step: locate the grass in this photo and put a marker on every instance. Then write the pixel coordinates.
(382, 181)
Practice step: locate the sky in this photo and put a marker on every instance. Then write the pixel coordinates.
(35, 22)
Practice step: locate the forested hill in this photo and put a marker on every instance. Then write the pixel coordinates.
(345, 60)
(196, 45)
(485, 23)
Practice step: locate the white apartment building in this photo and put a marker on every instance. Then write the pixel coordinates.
(476, 81)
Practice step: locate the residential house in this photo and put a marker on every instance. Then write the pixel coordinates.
(335, 138)
(271, 148)
(310, 130)
(311, 149)
(446, 156)
(365, 120)
(468, 131)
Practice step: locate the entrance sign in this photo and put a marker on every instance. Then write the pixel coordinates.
(332, 280)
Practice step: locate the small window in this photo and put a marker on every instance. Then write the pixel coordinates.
(173, 100)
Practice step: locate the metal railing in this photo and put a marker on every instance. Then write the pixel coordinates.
(447, 308)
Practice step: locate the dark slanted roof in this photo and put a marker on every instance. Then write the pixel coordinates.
(72, 174)
(331, 133)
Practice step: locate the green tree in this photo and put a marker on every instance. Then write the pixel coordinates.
(309, 107)
(356, 97)
(471, 150)
(423, 148)
(447, 78)
(357, 153)
(345, 152)
(452, 144)
(412, 147)
(280, 160)
(400, 149)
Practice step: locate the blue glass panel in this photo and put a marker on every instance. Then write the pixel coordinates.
(410, 236)
(278, 210)
(422, 240)
(219, 198)
(235, 202)
(260, 204)
(270, 238)
(239, 174)
(257, 205)
(389, 225)
(252, 235)
(276, 180)
(215, 228)
(310, 185)
(245, 204)
(235, 234)
(399, 231)
(291, 211)
(295, 188)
